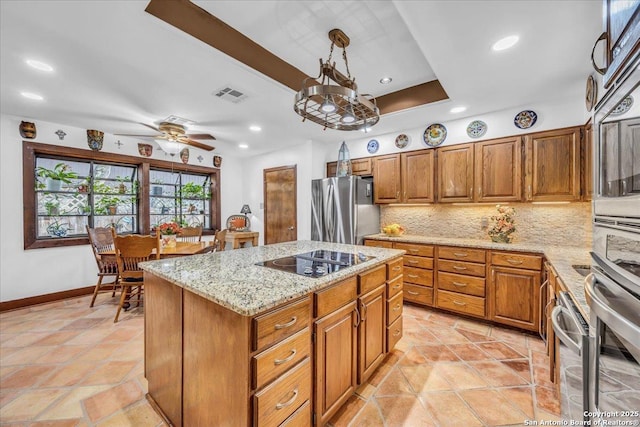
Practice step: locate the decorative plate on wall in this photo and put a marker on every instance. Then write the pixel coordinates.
(623, 107)
(476, 129)
(435, 135)
(402, 140)
(591, 93)
(525, 119)
(373, 146)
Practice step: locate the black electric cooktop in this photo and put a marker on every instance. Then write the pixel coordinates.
(316, 263)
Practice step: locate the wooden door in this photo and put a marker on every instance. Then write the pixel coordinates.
(335, 361)
(553, 165)
(386, 179)
(417, 176)
(280, 205)
(514, 297)
(372, 332)
(498, 170)
(455, 173)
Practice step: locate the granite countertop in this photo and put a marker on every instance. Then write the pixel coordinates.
(562, 258)
(231, 278)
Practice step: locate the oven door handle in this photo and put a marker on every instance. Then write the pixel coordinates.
(558, 312)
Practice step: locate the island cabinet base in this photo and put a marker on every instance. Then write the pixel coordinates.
(207, 365)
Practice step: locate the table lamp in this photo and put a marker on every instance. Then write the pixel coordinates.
(246, 210)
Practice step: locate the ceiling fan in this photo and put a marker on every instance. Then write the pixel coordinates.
(175, 133)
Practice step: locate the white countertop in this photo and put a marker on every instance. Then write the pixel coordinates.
(231, 278)
(562, 258)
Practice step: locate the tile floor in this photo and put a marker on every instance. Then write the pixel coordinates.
(65, 364)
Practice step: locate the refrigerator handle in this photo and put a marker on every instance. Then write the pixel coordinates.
(328, 215)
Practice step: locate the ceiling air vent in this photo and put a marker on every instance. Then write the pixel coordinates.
(179, 121)
(230, 94)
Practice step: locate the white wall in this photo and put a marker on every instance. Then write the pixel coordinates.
(26, 273)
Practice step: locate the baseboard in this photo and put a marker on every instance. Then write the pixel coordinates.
(41, 299)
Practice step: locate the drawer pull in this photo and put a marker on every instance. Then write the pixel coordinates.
(462, 285)
(461, 254)
(459, 303)
(413, 293)
(396, 333)
(413, 276)
(414, 251)
(286, 359)
(459, 268)
(396, 268)
(397, 307)
(293, 320)
(411, 261)
(288, 402)
(514, 261)
(396, 286)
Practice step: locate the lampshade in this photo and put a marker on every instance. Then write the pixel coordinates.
(245, 209)
(170, 147)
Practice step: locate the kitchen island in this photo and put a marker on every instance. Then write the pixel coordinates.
(229, 342)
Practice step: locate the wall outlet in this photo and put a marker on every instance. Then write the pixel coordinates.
(484, 222)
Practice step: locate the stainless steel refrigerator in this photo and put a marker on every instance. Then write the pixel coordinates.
(342, 210)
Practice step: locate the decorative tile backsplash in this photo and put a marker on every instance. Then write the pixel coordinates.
(553, 224)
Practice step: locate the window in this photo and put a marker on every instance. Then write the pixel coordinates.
(65, 189)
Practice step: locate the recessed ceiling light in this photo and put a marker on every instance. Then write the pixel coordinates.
(457, 109)
(39, 65)
(243, 146)
(255, 128)
(385, 80)
(31, 95)
(505, 43)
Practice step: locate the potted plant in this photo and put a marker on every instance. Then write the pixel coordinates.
(168, 232)
(192, 190)
(122, 187)
(56, 176)
(51, 207)
(108, 205)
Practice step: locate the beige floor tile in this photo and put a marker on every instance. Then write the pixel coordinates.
(449, 410)
(69, 375)
(404, 411)
(57, 423)
(394, 384)
(468, 352)
(25, 355)
(24, 339)
(536, 343)
(547, 400)
(70, 406)
(413, 357)
(521, 397)
(98, 352)
(110, 401)
(482, 329)
(500, 350)
(61, 354)
(492, 408)
(141, 414)
(542, 376)
(461, 376)
(365, 391)
(109, 373)
(347, 412)
(57, 337)
(369, 416)
(425, 378)
(475, 335)
(498, 375)
(539, 359)
(521, 366)
(447, 335)
(29, 404)
(27, 376)
(437, 353)
(91, 336)
(509, 335)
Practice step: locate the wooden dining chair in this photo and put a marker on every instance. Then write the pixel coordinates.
(101, 241)
(131, 250)
(190, 234)
(218, 241)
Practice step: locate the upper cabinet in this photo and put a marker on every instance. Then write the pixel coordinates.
(387, 181)
(621, 36)
(404, 178)
(455, 173)
(498, 170)
(360, 167)
(552, 162)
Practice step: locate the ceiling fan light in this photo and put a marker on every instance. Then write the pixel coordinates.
(170, 147)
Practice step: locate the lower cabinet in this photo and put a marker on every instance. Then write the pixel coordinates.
(514, 297)
(371, 332)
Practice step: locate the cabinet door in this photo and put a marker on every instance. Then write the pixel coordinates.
(498, 170)
(455, 173)
(361, 167)
(332, 169)
(514, 297)
(553, 165)
(335, 361)
(417, 176)
(386, 176)
(372, 332)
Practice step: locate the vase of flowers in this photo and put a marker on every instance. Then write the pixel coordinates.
(504, 224)
(168, 232)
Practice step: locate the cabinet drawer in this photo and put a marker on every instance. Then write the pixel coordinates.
(330, 299)
(462, 254)
(379, 243)
(459, 302)
(394, 286)
(460, 267)
(394, 308)
(372, 279)
(394, 268)
(460, 283)
(531, 262)
(418, 276)
(417, 250)
(394, 333)
(272, 327)
(418, 294)
(276, 402)
(279, 358)
(300, 418)
(418, 262)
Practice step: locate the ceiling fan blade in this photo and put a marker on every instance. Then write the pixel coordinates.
(200, 136)
(151, 127)
(196, 144)
(138, 136)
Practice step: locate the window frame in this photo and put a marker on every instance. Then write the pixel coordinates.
(31, 150)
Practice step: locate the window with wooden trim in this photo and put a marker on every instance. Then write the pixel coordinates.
(179, 196)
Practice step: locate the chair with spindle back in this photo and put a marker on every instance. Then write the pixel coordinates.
(101, 241)
(190, 234)
(218, 242)
(130, 250)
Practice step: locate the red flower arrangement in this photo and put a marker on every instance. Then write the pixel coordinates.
(168, 228)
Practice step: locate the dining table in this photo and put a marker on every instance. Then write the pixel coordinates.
(181, 249)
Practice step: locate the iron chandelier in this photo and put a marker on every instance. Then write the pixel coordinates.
(337, 106)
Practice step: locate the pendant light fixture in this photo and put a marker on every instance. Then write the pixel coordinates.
(337, 106)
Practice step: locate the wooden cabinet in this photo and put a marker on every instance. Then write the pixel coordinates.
(361, 167)
(455, 173)
(622, 37)
(372, 331)
(498, 170)
(552, 162)
(418, 272)
(460, 284)
(378, 243)
(514, 293)
(387, 182)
